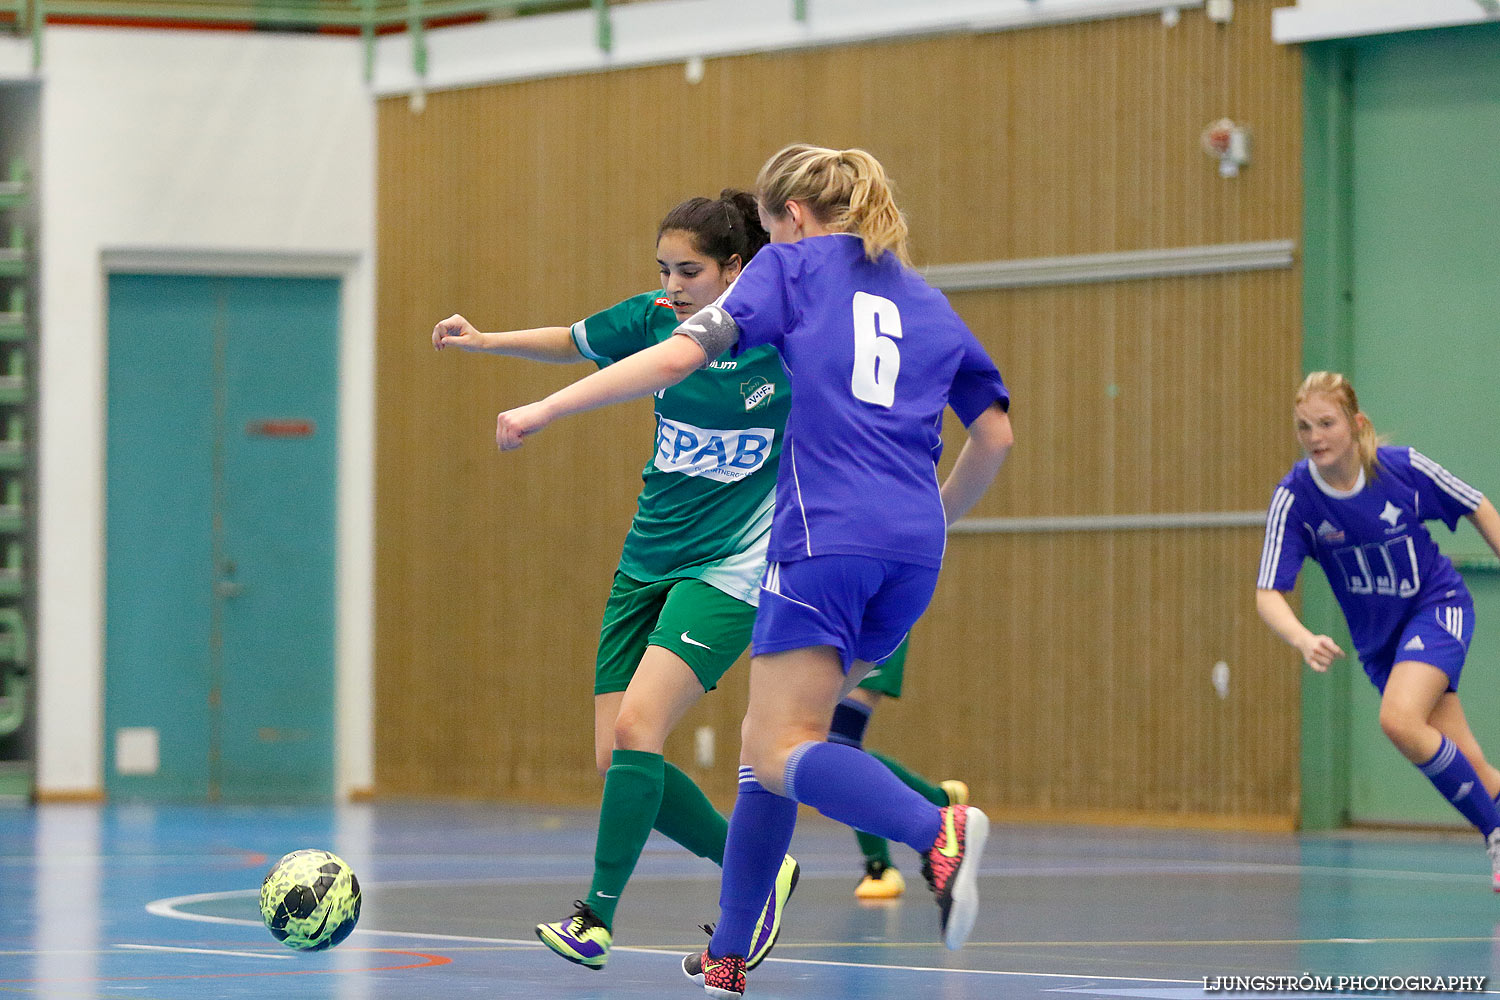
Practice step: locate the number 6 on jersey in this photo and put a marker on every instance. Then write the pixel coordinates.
(877, 358)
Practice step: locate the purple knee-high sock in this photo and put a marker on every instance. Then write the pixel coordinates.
(854, 788)
(760, 831)
(1451, 774)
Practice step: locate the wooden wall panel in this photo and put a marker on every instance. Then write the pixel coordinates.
(1092, 686)
(1078, 664)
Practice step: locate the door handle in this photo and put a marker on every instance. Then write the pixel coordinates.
(227, 588)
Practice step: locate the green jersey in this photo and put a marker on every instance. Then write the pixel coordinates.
(710, 486)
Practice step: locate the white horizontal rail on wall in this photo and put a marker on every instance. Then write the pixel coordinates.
(1107, 522)
(1126, 265)
(667, 31)
(213, 260)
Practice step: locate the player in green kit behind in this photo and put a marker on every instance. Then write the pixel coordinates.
(683, 601)
(850, 717)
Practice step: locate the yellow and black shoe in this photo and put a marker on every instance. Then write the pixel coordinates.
(582, 938)
(768, 927)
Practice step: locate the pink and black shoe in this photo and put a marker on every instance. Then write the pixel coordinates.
(951, 868)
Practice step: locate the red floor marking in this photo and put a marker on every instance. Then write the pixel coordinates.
(431, 961)
(250, 859)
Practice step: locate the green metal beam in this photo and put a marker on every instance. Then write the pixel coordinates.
(211, 13)
(361, 14)
(365, 16)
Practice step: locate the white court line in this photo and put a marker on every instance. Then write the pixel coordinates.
(1064, 871)
(965, 972)
(207, 951)
(168, 908)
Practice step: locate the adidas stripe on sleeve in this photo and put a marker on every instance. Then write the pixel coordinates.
(1453, 494)
(1282, 553)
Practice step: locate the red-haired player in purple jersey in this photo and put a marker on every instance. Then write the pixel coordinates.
(1358, 508)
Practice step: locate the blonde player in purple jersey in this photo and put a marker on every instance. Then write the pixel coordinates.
(1358, 508)
(874, 355)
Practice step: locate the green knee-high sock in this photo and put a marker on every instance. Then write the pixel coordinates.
(689, 818)
(932, 793)
(632, 798)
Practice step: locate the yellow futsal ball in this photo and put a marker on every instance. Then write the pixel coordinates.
(310, 900)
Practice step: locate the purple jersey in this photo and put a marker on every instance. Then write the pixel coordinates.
(874, 353)
(1370, 541)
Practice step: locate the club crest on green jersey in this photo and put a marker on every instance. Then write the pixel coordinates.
(757, 392)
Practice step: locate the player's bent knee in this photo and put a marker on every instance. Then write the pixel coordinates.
(632, 732)
(770, 776)
(1403, 730)
(767, 754)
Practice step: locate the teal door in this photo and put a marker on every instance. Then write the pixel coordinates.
(219, 648)
(1425, 134)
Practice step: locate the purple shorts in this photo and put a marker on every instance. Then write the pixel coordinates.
(1438, 634)
(861, 606)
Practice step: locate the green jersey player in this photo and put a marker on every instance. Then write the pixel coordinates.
(683, 601)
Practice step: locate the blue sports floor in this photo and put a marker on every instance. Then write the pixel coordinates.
(158, 903)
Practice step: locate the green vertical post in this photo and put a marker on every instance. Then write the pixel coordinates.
(418, 39)
(799, 11)
(1327, 164)
(604, 31)
(367, 32)
(38, 21)
(1327, 344)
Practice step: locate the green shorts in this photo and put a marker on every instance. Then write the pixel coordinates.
(886, 677)
(703, 625)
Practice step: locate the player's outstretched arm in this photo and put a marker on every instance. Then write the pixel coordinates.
(552, 344)
(641, 374)
(990, 438)
(1318, 651)
(1487, 521)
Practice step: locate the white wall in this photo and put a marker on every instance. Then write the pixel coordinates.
(243, 151)
(1315, 20)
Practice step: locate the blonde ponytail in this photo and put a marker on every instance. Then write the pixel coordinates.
(1339, 389)
(846, 190)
